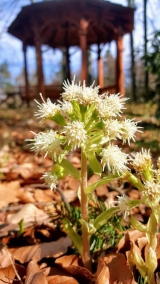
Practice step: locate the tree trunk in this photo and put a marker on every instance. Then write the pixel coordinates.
(133, 70)
(145, 48)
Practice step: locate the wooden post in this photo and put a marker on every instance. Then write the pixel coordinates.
(119, 66)
(100, 68)
(37, 39)
(83, 46)
(26, 75)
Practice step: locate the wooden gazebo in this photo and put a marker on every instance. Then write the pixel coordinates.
(65, 23)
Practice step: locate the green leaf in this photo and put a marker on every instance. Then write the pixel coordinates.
(94, 126)
(134, 180)
(103, 217)
(89, 114)
(151, 231)
(137, 225)
(58, 170)
(90, 227)
(156, 212)
(89, 189)
(59, 119)
(70, 169)
(95, 140)
(93, 162)
(21, 228)
(83, 110)
(76, 114)
(76, 239)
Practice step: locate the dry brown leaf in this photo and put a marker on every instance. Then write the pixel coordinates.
(26, 196)
(102, 273)
(142, 242)
(43, 195)
(118, 268)
(68, 260)
(100, 190)
(70, 195)
(124, 244)
(9, 192)
(5, 257)
(30, 213)
(134, 194)
(70, 264)
(37, 252)
(26, 170)
(7, 275)
(34, 275)
(75, 160)
(59, 279)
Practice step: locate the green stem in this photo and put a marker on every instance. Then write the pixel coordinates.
(84, 210)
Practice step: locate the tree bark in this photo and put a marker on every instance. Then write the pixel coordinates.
(133, 69)
(145, 48)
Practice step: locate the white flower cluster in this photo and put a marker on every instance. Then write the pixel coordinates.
(75, 134)
(124, 205)
(47, 143)
(46, 109)
(80, 109)
(151, 191)
(114, 159)
(141, 161)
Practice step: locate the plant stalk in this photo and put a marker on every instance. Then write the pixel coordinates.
(84, 211)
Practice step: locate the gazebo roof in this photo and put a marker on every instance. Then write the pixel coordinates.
(58, 22)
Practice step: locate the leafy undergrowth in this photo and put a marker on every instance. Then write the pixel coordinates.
(33, 249)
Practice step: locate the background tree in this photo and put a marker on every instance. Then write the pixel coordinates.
(5, 77)
(153, 62)
(131, 4)
(109, 68)
(145, 47)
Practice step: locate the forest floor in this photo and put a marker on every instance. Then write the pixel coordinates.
(32, 249)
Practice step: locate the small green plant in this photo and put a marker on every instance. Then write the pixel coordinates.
(107, 236)
(93, 123)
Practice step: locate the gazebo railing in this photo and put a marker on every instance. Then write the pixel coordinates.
(112, 89)
(53, 92)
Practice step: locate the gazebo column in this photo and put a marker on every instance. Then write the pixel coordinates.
(119, 66)
(26, 74)
(83, 46)
(100, 68)
(37, 39)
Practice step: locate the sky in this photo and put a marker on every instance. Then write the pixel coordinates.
(11, 48)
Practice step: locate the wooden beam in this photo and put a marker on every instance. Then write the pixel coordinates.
(39, 61)
(26, 74)
(119, 66)
(83, 46)
(100, 68)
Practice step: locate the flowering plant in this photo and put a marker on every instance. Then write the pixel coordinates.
(92, 123)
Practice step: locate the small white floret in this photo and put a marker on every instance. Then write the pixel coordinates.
(46, 109)
(123, 204)
(71, 90)
(151, 191)
(50, 179)
(141, 161)
(112, 129)
(110, 105)
(129, 128)
(88, 95)
(47, 143)
(75, 134)
(114, 159)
